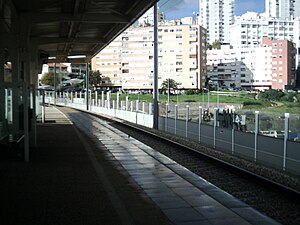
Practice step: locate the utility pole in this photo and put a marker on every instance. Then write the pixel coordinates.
(155, 85)
(55, 84)
(87, 83)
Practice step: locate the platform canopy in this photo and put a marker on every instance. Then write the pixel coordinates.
(62, 28)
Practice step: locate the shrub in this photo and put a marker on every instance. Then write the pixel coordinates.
(189, 100)
(190, 92)
(289, 97)
(253, 103)
(271, 95)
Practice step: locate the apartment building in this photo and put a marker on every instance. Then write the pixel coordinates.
(109, 63)
(60, 68)
(269, 66)
(284, 9)
(250, 28)
(128, 62)
(238, 68)
(217, 16)
(282, 63)
(78, 70)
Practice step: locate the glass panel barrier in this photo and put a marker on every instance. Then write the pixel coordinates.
(294, 129)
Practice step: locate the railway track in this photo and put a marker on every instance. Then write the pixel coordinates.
(271, 192)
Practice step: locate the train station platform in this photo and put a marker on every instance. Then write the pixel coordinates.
(99, 175)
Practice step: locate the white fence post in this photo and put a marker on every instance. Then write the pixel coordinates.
(232, 132)
(126, 103)
(215, 125)
(150, 108)
(131, 106)
(200, 121)
(90, 99)
(122, 105)
(176, 117)
(118, 99)
(114, 108)
(96, 98)
(167, 114)
(286, 137)
(256, 134)
(108, 99)
(187, 120)
(137, 106)
(143, 107)
(102, 99)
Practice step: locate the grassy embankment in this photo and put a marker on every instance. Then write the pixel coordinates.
(249, 101)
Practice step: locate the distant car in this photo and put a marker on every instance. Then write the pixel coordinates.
(46, 88)
(270, 133)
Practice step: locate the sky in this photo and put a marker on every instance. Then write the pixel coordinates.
(176, 9)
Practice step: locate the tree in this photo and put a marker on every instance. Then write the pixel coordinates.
(95, 78)
(48, 79)
(216, 45)
(169, 84)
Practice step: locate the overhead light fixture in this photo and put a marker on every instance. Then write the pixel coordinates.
(76, 56)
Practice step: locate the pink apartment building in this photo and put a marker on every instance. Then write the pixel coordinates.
(283, 67)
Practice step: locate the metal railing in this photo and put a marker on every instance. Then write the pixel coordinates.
(242, 135)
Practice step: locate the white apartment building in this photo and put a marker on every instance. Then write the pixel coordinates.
(128, 61)
(217, 16)
(250, 28)
(239, 68)
(272, 65)
(297, 43)
(283, 9)
(109, 64)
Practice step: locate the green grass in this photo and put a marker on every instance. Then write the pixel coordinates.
(248, 101)
(288, 107)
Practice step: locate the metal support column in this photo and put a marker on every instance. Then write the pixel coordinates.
(155, 85)
(87, 86)
(26, 121)
(256, 134)
(55, 84)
